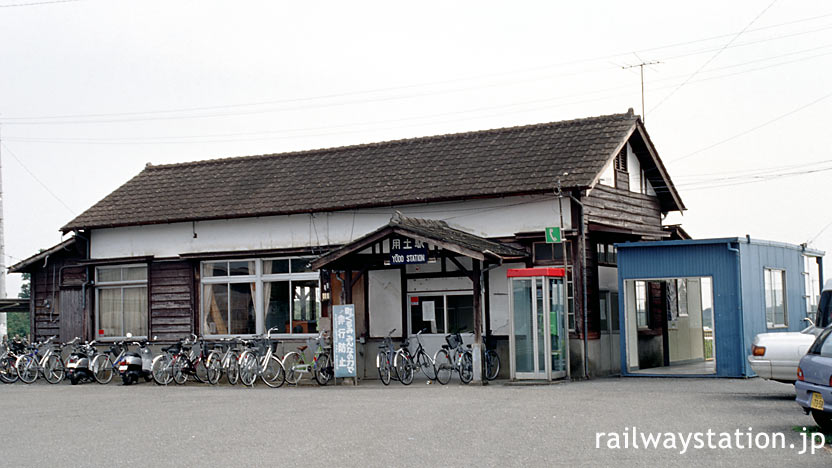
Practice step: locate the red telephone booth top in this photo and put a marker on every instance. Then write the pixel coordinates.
(530, 272)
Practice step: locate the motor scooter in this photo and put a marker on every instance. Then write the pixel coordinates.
(78, 367)
(136, 364)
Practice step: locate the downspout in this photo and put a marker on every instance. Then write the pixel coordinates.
(739, 305)
(582, 238)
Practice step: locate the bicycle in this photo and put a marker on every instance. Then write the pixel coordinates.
(385, 358)
(228, 356)
(321, 366)
(419, 360)
(162, 370)
(462, 361)
(29, 365)
(191, 360)
(103, 368)
(491, 360)
(12, 350)
(259, 360)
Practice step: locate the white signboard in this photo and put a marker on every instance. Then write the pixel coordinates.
(343, 340)
(428, 311)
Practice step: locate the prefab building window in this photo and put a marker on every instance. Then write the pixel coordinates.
(775, 292)
(641, 305)
(121, 301)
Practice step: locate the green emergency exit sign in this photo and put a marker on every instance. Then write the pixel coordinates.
(553, 235)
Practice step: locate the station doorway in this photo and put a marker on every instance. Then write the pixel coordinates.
(670, 326)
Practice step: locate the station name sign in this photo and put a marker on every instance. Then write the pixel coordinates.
(406, 251)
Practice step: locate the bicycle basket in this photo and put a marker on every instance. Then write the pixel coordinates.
(490, 342)
(454, 341)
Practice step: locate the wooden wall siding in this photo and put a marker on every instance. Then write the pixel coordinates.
(624, 209)
(47, 318)
(171, 300)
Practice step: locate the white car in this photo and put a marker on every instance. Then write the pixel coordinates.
(775, 356)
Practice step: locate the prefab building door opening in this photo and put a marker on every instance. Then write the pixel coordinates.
(670, 326)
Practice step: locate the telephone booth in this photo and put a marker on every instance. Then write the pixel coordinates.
(538, 342)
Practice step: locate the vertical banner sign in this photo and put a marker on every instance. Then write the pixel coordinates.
(343, 340)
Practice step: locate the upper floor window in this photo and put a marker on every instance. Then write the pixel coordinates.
(607, 254)
(621, 160)
(775, 292)
(121, 301)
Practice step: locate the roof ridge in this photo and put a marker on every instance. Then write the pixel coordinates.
(206, 162)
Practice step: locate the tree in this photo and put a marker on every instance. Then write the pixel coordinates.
(17, 323)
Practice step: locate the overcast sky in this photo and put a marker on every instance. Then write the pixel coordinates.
(92, 90)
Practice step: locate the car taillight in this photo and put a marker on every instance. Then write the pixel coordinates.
(800, 374)
(758, 350)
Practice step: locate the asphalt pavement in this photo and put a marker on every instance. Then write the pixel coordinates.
(419, 425)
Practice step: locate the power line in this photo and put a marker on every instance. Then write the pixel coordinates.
(46, 187)
(746, 132)
(696, 72)
(33, 120)
(10, 5)
(282, 134)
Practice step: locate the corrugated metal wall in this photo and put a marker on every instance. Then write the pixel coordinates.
(756, 257)
(694, 259)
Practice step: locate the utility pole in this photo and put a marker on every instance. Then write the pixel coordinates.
(3, 322)
(641, 69)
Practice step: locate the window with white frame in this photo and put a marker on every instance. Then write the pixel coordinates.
(121, 301)
(442, 312)
(775, 295)
(245, 297)
(641, 305)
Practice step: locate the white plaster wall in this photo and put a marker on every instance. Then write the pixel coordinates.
(607, 279)
(488, 218)
(498, 291)
(385, 302)
(634, 168)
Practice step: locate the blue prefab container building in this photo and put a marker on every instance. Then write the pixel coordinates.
(693, 307)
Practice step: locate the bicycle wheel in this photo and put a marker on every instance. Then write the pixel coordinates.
(53, 369)
(426, 364)
(466, 367)
(178, 369)
(200, 370)
(323, 370)
(383, 364)
(273, 374)
(442, 366)
(161, 369)
(232, 370)
(27, 368)
(405, 368)
(492, 364)
(102, 368)
(292, 364)
(8, 373)
(248, 369)
(213, 367)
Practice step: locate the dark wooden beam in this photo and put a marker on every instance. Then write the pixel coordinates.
(403, 270)
(462, 267)
(475, 277)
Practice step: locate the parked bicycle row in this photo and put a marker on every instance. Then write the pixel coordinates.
(237, 360)
(454, 357)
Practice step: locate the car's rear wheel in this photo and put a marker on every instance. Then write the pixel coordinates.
(824, 420)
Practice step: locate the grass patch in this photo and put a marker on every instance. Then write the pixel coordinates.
(813, 429)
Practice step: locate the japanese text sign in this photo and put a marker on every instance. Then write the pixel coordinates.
(343, 340)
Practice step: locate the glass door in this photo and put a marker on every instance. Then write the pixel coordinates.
(557, 328)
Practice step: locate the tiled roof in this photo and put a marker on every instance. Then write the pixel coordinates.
(516, 160)
(430, 230)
